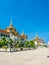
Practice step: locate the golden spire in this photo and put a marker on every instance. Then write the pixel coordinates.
(11, 26)
(23, 33)
(36, 35)
(11, 22)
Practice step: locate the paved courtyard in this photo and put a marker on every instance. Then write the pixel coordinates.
(30, 57)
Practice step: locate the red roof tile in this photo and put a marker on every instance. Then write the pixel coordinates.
(4, 31)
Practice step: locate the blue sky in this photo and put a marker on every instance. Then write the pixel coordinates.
(32, 16)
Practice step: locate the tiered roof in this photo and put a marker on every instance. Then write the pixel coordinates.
(13, 30)
(37, 39)
(4, 31)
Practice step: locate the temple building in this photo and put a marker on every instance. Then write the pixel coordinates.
(38, 41)
(11, 32)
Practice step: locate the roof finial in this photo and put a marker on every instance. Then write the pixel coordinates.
(36, 35)
(11, 26)
(23, 32)
(11, 22)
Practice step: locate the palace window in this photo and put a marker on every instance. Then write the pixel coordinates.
(6, 35)
(1, 34)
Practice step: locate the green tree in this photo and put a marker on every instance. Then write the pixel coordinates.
(3, 41)
(27, 44)
(17, 44)
(10, 44)
(32, 44)
(21, 44)
(0, 44)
